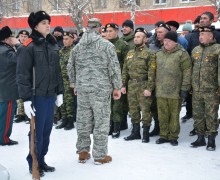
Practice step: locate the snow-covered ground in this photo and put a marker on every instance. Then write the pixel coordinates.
(132, 160)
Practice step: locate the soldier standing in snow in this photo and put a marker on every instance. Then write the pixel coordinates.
(94, 70)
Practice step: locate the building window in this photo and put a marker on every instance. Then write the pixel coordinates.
(59, 5)
(15, 6)
(125, 3)
(160, 2)
(186, 1)
(101, 4)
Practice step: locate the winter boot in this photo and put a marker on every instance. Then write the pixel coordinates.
(62, 125)
(146, 134)
(47, 168)
(69, 124)
(116, 132)
(156, 130)
(84, 156)
(135, 133)
(211, 143)
(111, 128)
(106, 159)
(199, 142)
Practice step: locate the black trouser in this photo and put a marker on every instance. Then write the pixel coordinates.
(189, 105)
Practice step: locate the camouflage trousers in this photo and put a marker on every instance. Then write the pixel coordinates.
(139, 103)
(205, 112)
(168, 114)
(67, 110)
(119, 109)
(20, 110)
(93, 115)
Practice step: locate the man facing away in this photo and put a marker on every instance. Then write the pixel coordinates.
(94, 70)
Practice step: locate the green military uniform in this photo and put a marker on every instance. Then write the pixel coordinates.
(129, 39)
(173, 75)
(68, 112)
(205, 84)
(139, 74)
(120, 107)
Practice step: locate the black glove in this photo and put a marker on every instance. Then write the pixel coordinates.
(183, 94)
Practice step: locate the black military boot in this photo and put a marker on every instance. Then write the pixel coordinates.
(146, 134)
(211, 143)
(135, 133)
(116, 132)
(111, 128)
(69, 124)
(62, 125)
(199, 142)
(156, 130)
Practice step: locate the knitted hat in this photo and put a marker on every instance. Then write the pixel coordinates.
(35, 18)
(128, 23)
(59, 29)
(187, 26)
(5, 32)
(172, 35)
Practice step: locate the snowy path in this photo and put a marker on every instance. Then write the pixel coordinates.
(131, 160)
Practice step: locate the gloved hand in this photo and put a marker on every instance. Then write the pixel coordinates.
(28, 109)
(183, 94)
(59, 100)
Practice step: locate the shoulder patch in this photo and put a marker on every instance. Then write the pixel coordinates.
(27, 42)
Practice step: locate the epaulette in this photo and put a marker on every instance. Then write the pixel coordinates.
(27, 42)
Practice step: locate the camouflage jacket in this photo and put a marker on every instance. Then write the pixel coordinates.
(129, 39)
(206, 67)
(173, 72)
(93, 64)
(140, 62)
(64, 53)
(122, 48)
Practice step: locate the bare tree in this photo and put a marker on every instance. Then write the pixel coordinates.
(216, 3)
(79, 10)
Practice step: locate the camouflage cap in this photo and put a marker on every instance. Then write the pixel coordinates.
(94, 23)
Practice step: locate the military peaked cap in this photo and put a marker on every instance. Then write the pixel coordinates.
(207, 29)
(24, 32)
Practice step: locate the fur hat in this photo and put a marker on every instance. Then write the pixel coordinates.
(59, 29)
(172, 35)
(35, 18)
(187, 26)
(128, 23)
(5, 32)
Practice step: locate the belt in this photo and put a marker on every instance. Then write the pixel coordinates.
(139, 79)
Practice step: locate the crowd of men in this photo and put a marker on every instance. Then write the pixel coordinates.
(98, 79)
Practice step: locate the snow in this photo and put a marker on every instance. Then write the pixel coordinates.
(132, 160)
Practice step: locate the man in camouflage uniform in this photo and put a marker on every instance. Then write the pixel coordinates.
(119, 107)
(139, 74)
(128, 33)
(160, 29)
(23, 35)
(68, 113)
(206, 87)
(94, 69)
(173, 81)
